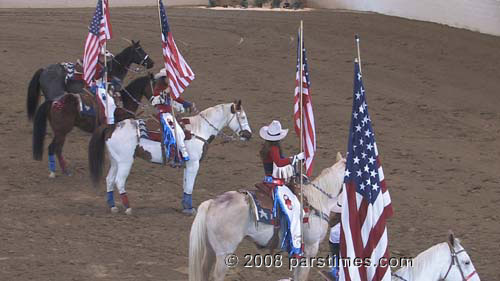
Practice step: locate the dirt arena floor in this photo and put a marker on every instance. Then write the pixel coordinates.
(432, 93)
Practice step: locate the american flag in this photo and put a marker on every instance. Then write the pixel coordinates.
(178, 71)
(366, 202)
(309, 134)
(99, 32)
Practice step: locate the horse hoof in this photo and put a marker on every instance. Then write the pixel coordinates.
(189, 212)
(52, 175)
(114, 210)
(128, 211)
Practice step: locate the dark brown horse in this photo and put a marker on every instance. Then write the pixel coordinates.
(51, 79)
(80, 110)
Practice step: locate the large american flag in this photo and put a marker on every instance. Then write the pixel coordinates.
(99, 32)
(178, 71)
(366, 202)
(309, 133)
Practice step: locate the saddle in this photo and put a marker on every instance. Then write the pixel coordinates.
(153, 128)
(262, 196)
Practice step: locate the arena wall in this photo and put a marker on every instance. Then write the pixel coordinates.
(477, 15)
(91, 3)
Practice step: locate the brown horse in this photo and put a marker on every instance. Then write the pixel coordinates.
(81, 111)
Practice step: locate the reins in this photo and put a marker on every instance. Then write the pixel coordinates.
(226, 137)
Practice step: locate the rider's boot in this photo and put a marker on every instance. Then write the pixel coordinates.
(187, 204)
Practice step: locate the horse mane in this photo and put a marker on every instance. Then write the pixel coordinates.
(121, 56)
(423, 261)
(137, 85)
(196, 121)
(326, 181)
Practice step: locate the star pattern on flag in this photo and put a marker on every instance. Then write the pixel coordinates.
(362, 167)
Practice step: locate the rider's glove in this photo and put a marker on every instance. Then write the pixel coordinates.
(155, 100)
(298, 157)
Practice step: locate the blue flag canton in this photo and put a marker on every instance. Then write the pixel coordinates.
(304, 57)
(362, 163)
(95, 24)
(165, 28)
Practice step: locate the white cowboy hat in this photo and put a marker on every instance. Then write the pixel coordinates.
(273, 132)
(162, 73)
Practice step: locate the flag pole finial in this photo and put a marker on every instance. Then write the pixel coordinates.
(358, 59)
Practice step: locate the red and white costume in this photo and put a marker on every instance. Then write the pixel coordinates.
(163, 102)
(279, 170)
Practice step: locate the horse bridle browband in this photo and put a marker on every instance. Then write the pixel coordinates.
(454, 259)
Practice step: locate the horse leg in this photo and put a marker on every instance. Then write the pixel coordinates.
(110, 183)
(52, 159)
(122, 173)
(59, 140)
(302, 272)
(190, 173)
(220, 268)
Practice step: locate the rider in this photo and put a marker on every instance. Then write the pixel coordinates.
(163, 101)
(278, 170)
(107, 100)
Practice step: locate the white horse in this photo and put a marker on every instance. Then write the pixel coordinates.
(447, 261)
(124, 144)
(222, 223)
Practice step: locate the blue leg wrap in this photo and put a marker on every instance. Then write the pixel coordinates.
(52, 162)
(187, 201)
(168, 138)
(111, 199)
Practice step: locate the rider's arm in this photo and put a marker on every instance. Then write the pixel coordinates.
(184, 103)
(276, 157)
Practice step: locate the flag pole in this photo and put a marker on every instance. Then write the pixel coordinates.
(356, 37)
(301, 32)
(162, 145)
(171, 102)
(105, 75)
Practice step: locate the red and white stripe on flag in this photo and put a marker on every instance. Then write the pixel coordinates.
(179, 73)
(99, 32)
(309, 133)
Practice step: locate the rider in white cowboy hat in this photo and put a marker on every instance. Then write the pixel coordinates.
(278, 170)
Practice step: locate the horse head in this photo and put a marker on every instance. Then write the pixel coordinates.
(460, 264)
(239, 121)
(139, 56)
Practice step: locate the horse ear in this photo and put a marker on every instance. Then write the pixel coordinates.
(133, 42)
(137, 43)
(238, 105)
(339, 156)
(232, 109)
(451, 238)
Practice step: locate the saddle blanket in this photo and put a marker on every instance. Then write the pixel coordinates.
(262, 215)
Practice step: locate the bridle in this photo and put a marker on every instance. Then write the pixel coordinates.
(236, 133)
(454, 259)
(146, 56)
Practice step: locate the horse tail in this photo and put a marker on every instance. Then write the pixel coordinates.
(198, 244)
(40, 129)
(96, 154)
(33, 94)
